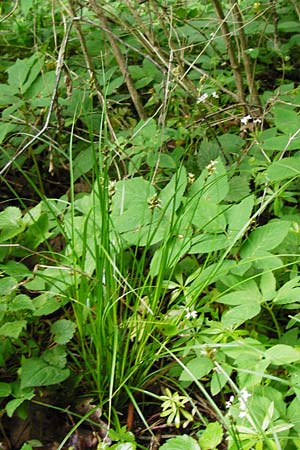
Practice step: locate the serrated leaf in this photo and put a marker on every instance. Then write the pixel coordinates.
(183, 442)
(212, 436)
(281, 354)
(13, 329)
(36, 372)
(63, 331)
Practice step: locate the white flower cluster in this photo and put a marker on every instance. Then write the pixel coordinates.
(212, 167)
(242, 398)
(245, 120)
(190, 314)
(203, 97)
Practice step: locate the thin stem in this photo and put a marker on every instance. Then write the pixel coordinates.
(120, 59)
(230, 50)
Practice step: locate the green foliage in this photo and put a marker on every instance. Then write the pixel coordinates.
(176, 276)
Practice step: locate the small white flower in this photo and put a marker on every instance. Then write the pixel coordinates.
(211, 167)
(202, 98)
(245, 119)
(190, 314)
(244, 395)
(257, 121)
(242, 414)
(229, 402)
(215, 94)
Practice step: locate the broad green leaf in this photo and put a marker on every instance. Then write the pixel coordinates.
(237, 298)
(209, 217)
(14, 404)
(208, 243)
(36, 372)
(219, 379)
(123, 446)
(238, 188)
(183, 442)
(45, 304)
(238, 216)
(7, 285)
(63, 331)
(21, 302)
(25, 6)
(19, 72)
(15, 269)
(240, 314)
(268, 286)
(171, 195)
(131, 195)
(5, 389)
(10, 217)
(211, 437)
(13, 329)
(288, 293)
(199, 367)
(264, 238)
(5, 129)
(281, 354)
(286, 120)
(285, 168)
(213, 187)
(279, 143)
(56, 357)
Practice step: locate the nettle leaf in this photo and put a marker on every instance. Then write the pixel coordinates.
(56, 357)
(278, 143)
(21, 302)
(13, 329)
(199, 367)
(282, 354)
(283, 169)
(212, 436)
(36, 372)
(240, 314)
(7, 285)
(183, 442)
(15, 269)
(63, 331)
(265, 238)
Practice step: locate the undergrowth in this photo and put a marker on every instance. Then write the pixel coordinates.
(149, 224)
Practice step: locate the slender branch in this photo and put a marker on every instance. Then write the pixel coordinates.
(254, 97)
(230, 50)
(59, 68)
(90, 67)
(120, 60)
